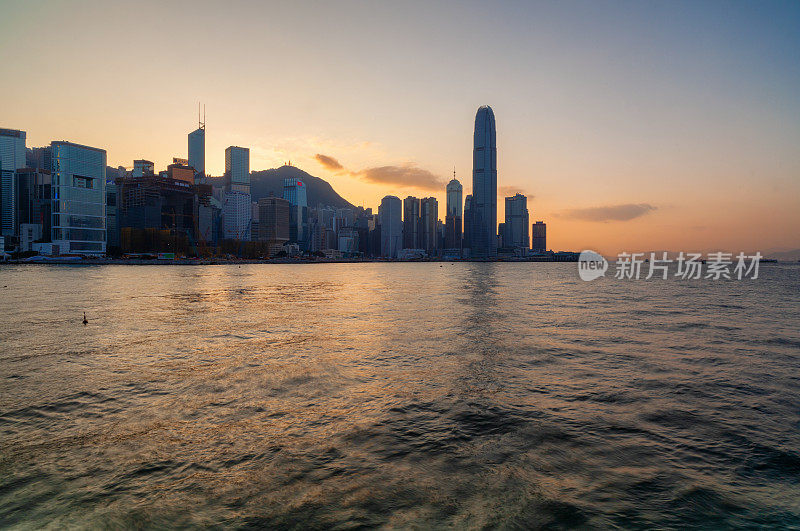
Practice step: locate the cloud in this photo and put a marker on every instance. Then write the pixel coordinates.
(407, 175)
(329, 163)
(506, 191)
(624, 212)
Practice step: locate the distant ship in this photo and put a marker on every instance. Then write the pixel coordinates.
(769, 261)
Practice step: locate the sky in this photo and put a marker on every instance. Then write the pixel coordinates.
(630, 126)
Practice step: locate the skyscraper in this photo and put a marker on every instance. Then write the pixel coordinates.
(273, 222)
(79, 198)
(539, 236)
(484, 185)
(12, 158)
(516, 225)
(390, 213)
(453, 217)
(467, 239)
(294, 191)
(429, 218)
(411, 221)
(197, 147)
(237, 169)
(237, 214)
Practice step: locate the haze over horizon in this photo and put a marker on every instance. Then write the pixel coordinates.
(629, 126)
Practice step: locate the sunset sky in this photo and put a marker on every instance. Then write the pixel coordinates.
(629, 125)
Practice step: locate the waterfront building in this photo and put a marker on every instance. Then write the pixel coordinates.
(273, 222)
(12, 158)
(236, 212)
(112, 220)
(208, 215)
(484, 186)
(429, 217)
(515, 234)
(79, 198)
(153, 214)
(539, 236)
(453, 216)
(237, 169)
(34, 206)
(467, 238)
(411, 223)
(390, 213)
(294, 191)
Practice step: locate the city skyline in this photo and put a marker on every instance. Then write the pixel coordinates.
(623, 134)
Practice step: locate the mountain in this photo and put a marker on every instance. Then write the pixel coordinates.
(317, 190)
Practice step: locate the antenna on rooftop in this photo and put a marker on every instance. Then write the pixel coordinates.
(201, 123)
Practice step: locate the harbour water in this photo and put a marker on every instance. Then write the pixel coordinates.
(419, 395)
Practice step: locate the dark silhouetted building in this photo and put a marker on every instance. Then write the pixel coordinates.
(411, 223)
(429, 218)
(273, 222)
(539, 236)
(515, 228)
(484, 186)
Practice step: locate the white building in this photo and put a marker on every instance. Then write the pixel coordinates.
(237, 212)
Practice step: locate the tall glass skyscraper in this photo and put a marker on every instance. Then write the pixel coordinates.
(12, 158)
(453, 216)
(237, 169)
(390, 214)
(197, 149)
(516, 225)
(411, 223)
(294, 191)
(484, 186)
(79, 198)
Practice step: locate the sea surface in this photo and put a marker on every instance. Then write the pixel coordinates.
(397, 395)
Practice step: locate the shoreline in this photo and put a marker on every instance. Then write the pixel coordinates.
(224, 261)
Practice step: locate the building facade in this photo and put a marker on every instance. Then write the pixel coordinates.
(142, 168)
(237, 169)
(429, 218)
(273, 222)
(12, 158)
(411, 223)
(294, 191)
(454, 215)
(197, 150)
(484, 186)
(391, 221)
(236, 214)
(515, 233)
(79, 198)
(539, 236)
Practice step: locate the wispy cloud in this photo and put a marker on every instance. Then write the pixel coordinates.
(407, 175)
(506, 191)
(328, 162)
(624, 212)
